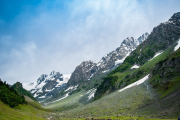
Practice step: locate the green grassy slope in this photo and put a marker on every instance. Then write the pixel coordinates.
(70, 102)
(23, 112)
(31, 110)
(118, 105)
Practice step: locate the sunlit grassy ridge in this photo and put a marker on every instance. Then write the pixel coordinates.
(22, 112)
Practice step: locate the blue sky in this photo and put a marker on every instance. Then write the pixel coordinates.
(38, 36)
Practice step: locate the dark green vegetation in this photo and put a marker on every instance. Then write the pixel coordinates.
(9, 96)
(21, 91)
(166, 74)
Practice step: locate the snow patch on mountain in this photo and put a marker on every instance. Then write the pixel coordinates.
(134, 66)
(121, 60)
(40, 85)
(105, 71)
(135, 83)
(157, 54)
(66, 95)
(177, 46)
(66, 77)
(71, 88)
(43, 96)
(91, 93)
(91, 76)
(65, 80)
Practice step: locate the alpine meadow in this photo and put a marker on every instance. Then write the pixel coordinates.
(138, 78)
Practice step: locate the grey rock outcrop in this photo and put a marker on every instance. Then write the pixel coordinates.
(82, 72)
(163, 36)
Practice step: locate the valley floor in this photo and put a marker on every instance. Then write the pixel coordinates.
(138, 102)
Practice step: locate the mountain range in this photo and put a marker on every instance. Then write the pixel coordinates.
(50, 86)
(47, 86)
(141, 77)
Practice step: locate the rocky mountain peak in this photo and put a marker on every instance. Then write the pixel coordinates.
(42, 78)
(82, 72)
(47, 86)
(87, 63)
(142, 38)
(175, 18)
(129, 42)
(53, 73)
(18, 84)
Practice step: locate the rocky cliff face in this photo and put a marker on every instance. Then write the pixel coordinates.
(88, 69)
(47, 86)
(117, 57)
(162, 36)
(82, 73)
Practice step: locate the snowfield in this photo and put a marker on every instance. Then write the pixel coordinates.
(177, 46)
(72, 87)
(67, 94)
(135, 83)
(91, 93)
(135, 66)
(157, 54)
(122, 60)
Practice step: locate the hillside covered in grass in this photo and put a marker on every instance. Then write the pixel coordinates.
(15, 104)
(31, 111)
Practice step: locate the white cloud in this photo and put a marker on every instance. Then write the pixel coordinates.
(60, 39)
